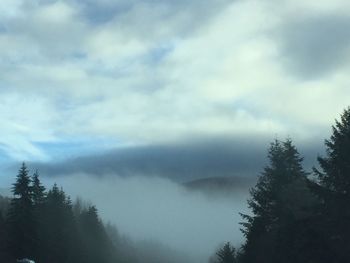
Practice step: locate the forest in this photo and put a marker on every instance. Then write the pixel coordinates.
(295, 215)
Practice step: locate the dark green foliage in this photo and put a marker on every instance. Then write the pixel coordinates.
(271, 201)
(335, 175)
(226, 254)
(94, 238)
(44, 226)
(333, 188)
(279, 201)
(21, 188)
(38, 199)
(38, 190)
(20, 219)
(125, 249)
(59, 231)
(299, 220)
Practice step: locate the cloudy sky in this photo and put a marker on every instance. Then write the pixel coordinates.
(79, 78)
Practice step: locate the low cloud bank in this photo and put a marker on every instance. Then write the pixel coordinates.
(159, 210)
(182, 161)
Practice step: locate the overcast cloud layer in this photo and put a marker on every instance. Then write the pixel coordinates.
(181, 162)
(78, 77)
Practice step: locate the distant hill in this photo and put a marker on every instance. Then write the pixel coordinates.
(221, 185)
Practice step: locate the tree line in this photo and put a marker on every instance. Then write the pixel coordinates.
(298, 216)
(46, 226)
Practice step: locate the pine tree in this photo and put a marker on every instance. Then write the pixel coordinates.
(42, 226)
(38, 190)
(94, 238)
(38, 199)
(21, 188)
(59, 229)
(274, 204)
(226, 254)
(20, 217)
(333, 188)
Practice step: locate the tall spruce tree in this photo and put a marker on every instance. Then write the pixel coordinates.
(333, 189)
(94, 238)
(274, 204)
(38, 199)
(20, 217)
(38, 190)
(59, 229)
(226, 254)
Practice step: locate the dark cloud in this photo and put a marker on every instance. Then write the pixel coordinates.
(316, 45)
(180, 162)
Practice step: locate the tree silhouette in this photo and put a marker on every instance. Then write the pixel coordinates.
(38, 190)
(20, 217)
(274, 205)
(226, 254)
(38, 199)
(59, 229)
(94, 237)
(333, 189)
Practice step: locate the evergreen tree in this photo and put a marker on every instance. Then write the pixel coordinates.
(226, 254)
(21, 188)
(94, 238)
(38, 190)
(44, 227)
(59, 229)
(20, 217)
(38, 199)
(333, 188)
(275, 206)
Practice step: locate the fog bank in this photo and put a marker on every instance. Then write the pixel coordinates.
(160, 210)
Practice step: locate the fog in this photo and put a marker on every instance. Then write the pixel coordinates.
(156, 209)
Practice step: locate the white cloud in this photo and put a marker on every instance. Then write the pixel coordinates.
(10, 8)
(26, 120)
(224, 72)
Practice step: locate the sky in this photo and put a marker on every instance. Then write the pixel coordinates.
(107, 78)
